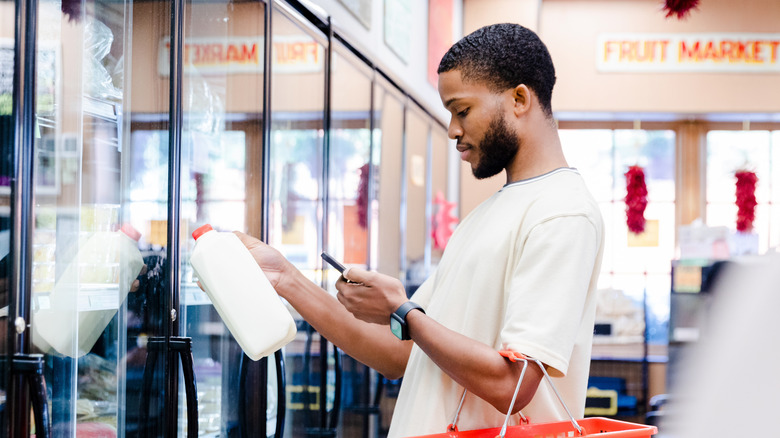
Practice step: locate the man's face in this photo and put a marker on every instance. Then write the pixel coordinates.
(479, 125)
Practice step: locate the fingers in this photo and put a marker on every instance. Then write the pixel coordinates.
(358, 275)
(247, 240)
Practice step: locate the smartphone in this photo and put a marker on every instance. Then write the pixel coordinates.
(333, 262)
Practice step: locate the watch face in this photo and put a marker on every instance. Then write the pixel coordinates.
(396, 327)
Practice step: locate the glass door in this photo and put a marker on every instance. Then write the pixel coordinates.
(351, 187)
(417, 162)
(98, 270)
(7, 157)
(222, 150)
(296, 204)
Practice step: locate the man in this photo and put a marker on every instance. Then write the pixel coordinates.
(519, 272)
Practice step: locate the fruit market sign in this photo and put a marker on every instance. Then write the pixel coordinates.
(689, 52)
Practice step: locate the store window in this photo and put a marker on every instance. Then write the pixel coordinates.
(635, 268)
(757, 151)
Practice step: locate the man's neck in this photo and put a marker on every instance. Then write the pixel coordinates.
(536, 156)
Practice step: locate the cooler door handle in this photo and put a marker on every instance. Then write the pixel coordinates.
(184, 347)
(153, 346)
(30, 367)
(334, 413)
(260, 429)
(281, 395)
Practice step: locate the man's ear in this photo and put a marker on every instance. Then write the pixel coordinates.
(522, 96)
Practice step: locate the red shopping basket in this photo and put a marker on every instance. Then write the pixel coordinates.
(591, 427)
(588, 427)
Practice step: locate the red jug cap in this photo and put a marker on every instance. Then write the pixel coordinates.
(201, 231)
(130, 231)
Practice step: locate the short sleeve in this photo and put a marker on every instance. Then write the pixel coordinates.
(548, 289)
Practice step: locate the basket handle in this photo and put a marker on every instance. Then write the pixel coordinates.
(519, 357)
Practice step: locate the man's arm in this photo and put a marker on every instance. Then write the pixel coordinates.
(474, 365)
(374, 345)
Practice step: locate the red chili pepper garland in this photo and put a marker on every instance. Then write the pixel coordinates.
(362, 198)
(636, 199)
(746, 199)
(680, 8)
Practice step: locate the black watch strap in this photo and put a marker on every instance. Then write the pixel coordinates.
(398, 323)
(406, 308)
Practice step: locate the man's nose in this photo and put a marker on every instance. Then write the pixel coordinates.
(454, 131)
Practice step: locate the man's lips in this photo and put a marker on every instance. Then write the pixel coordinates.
(464, 151)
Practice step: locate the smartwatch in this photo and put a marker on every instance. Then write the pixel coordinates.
(398, 320)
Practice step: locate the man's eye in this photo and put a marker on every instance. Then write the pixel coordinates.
(463, 113)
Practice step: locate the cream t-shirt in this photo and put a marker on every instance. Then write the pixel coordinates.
(518, 273)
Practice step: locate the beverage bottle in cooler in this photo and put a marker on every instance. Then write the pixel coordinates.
(241, 293)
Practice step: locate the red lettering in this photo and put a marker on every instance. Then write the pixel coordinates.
(187, 49)
(755, 52)
(300, 52)
(773, 45)
(664, 44)
(249, 55)
(711, 52)
(218, 53)
(625, 50)
(314, 51)
(689, 53)
(233, 54)
(608, 49)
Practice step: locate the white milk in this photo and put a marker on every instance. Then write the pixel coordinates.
(87, 295)
(241, 293)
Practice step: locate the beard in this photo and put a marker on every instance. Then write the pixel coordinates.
(497, 149)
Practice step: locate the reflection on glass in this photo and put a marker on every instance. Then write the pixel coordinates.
(222, 142)
(417, 142)
(349, 173)
(296, 145)
(388, 135)
(348, 162)
(439, 168)
(7, 9)
(87, 245)
(295, 221)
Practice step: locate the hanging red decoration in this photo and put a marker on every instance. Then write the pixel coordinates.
(362, 196)
(680, 8)
(746, 199)
(636, 199)
(444, 221)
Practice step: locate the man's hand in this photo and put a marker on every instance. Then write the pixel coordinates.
(370, 296)
(137, 283)
(275, 266)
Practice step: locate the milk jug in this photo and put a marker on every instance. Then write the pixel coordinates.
(86, 297)
(241, 293)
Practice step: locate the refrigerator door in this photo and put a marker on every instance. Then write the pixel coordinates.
(352, 185)
(296, 203)
(8, 131)
(98, 266)
(222, 185)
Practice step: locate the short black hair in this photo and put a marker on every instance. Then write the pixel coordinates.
(503, 56)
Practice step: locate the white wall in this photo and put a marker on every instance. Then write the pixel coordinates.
(412, 75)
